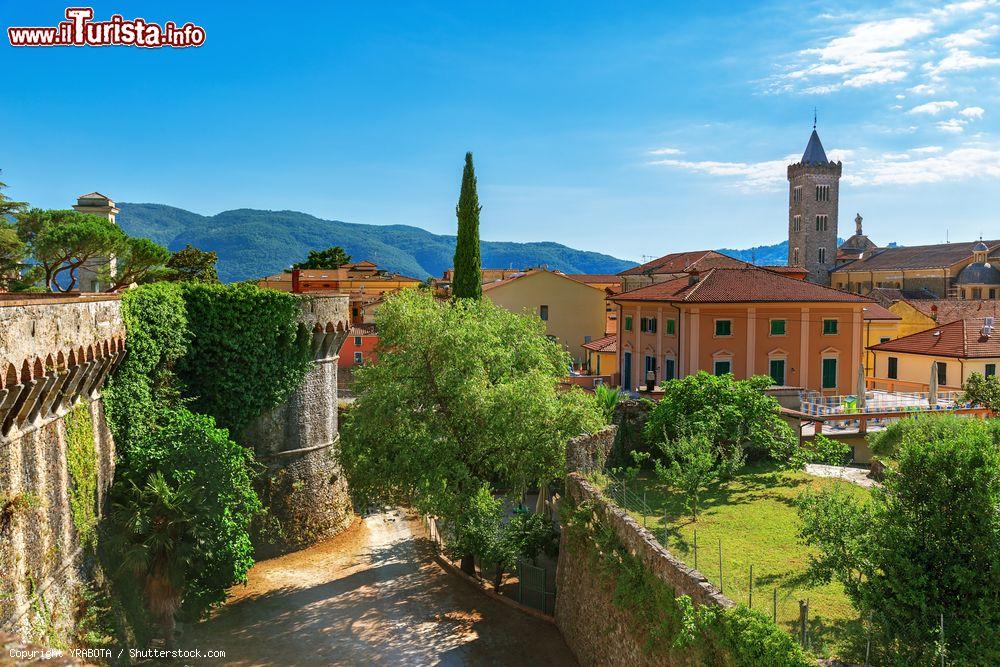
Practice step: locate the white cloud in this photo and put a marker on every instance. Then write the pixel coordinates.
(924, 164)
(973, 112)
(952, 125)
(666, 151)
(967, 38)
(923, 89)
(934, 108)
(959, 60)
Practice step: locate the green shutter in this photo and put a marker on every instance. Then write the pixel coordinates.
(777, 368)
(723, 328)
(777, 327)
(829, 374)
(628, 323)
(669, 327)
(829, 326)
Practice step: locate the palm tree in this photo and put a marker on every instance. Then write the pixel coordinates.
(156, 524)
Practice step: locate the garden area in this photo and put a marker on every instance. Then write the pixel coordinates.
(904, 572)
(751, 521)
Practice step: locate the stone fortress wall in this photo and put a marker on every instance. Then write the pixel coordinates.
(304, 487)
(55, 354)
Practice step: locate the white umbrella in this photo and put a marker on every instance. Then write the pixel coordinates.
(861, 386)
(932, 387)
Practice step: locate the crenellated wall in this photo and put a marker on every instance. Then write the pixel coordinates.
(56, 452)
(304, 488)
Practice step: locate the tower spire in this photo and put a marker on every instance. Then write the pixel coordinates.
(814, 118)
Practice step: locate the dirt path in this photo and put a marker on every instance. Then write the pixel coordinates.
(371, 596)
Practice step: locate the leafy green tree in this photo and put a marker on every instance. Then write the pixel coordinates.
(608, 398)
(12, 251)
(468, 280)
(193, 264)
(984, 391)
(479, 532)
(333, 257)
(692, 467)
(136, 258)
(63, 241)
(734, 414)
(464, 395)
(9, 207)
(927, 545)
(207, 481)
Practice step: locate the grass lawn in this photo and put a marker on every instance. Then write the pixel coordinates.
(755, 519)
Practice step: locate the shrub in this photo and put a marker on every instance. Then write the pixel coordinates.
(984, 391)
(824, 450)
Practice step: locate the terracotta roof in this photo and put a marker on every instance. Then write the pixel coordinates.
(606, 344)
(784, 269)
(364, 330)
(944, 311)
(682, 262)
(876, 312)
(739, 286)
(962, 339)
(531, 272)
(890, 295)
(591, 278)
(937, 256)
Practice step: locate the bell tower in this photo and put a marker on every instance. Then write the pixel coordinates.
(813, 203)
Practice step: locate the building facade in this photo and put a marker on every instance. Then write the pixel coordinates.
(744, 322)
(93, 276)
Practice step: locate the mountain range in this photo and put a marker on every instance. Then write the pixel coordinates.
(254, 243)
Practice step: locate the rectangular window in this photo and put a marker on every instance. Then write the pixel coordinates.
(643, 327)
(723, 327)
(650, 364)
(822, 193)
(821, 223)
(652, 325)
(669, 327)
(884, 339)
(796, 194)
(991, 369)
(357, 341)
(777, 327)
(723, 367)
(993, 293)
(942, 373)
(777, 369)
(797, 223)
(795, 256)
(543, 312)
(358, 358)
(647, 324)
(668, 369)
(893, 371)
(628, 323)
(829, 374)
(829, 327)
(821, 255)
(586, 339)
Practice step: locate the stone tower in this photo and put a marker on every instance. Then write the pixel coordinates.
(91, 274)
(813, 202)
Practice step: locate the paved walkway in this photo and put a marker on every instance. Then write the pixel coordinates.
(854, 475)
(371, 596)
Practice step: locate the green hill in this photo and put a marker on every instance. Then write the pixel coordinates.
(253, 243)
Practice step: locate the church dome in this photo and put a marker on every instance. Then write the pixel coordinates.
(980, 247)
(979, 273)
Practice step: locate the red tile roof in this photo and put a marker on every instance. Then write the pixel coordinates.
(873, 311)
(682, 262)
(962, 339)
(944, 311)
(938, 256)
(744, 285)
(606, 344)
(591, 278)
(531, 272)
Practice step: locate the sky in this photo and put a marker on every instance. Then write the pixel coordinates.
(634, 129)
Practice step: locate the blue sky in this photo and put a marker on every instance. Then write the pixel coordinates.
(631, 128)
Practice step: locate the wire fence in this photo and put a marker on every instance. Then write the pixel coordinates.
(801, 610)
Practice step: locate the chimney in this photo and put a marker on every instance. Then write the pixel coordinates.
(693, 277)
(296, 288)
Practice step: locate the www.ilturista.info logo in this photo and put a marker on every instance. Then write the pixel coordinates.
(79, 29)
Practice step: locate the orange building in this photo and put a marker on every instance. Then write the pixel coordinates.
(611, 284)
(363, 281)
(359, 346)
(745, 321)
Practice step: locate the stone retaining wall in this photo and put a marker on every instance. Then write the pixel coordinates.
(598, 631)
(55, 354)
(589, 452)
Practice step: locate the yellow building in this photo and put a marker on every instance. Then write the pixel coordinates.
(602, 356)
(573, 312)
(960, 348)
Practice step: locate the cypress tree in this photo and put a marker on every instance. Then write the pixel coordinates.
(467, 282)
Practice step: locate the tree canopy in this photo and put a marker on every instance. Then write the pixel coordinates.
(926, 546)
(467, 282)
(464, 395)
(333, 257)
